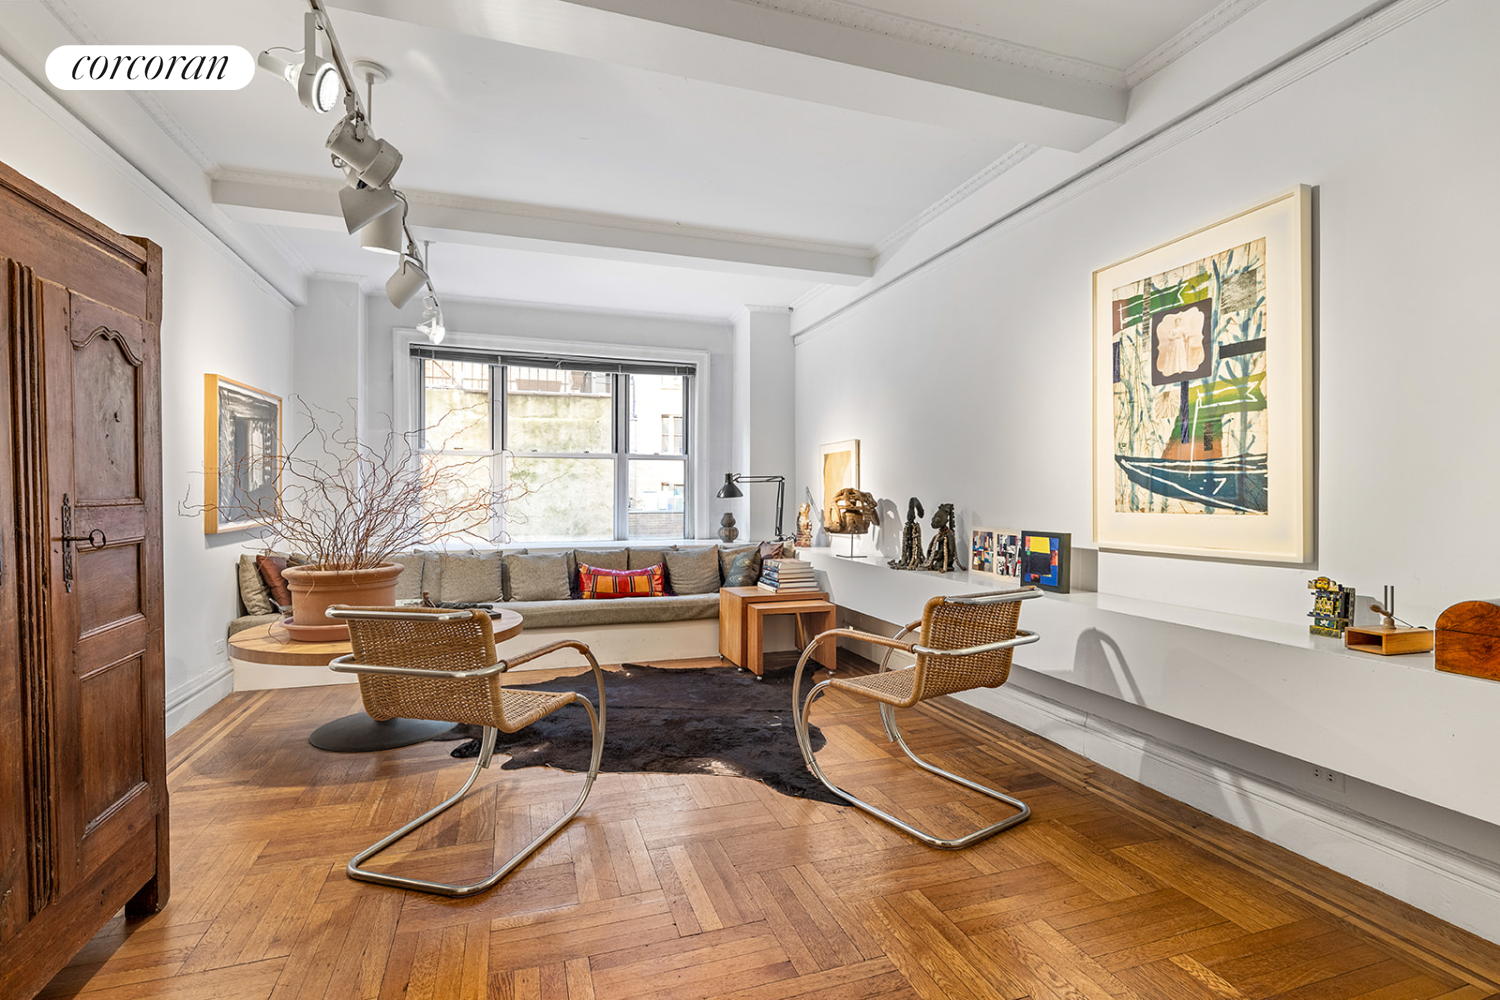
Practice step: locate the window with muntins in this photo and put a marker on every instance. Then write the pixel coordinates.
(603, 445)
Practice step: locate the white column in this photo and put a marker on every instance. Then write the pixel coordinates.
(763, 440)
(327, 358)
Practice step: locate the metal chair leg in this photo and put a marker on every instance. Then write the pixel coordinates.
(487, 748)
(888, 718)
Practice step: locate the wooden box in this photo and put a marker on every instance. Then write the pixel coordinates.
(1468, 639)
(1388, 640)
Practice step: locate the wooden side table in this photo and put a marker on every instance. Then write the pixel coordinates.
(821, 615)
(732, 617)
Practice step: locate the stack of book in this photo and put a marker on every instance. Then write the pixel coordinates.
(778, 575)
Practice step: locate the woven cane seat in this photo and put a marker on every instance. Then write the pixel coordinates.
(466, 644)
(946, 625)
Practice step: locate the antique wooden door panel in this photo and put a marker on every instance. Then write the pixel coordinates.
(17, 304)
(99, 418)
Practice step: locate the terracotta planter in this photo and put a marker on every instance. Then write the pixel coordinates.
(313, 590)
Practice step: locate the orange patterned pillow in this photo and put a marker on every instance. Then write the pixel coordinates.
(600, 583)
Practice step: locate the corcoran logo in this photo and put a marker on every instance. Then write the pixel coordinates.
(149, 67)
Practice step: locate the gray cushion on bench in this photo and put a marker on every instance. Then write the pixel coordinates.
(616, 611)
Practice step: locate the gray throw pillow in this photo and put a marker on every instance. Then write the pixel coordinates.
(727, 556)
(254, 594)
(538, 577)
(692, 571)
(470, 577)
(604, 558)
(641, 558)
(505, 587)
(745, 569)
(409, 583)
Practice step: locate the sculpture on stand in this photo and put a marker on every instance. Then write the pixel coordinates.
(853, 513)
(942, 555)
(911, 538)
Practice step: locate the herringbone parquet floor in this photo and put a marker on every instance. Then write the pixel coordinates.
(672, 887)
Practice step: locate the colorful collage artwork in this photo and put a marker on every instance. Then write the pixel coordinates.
(1044, 560)
(1189, 356)
(996, 551)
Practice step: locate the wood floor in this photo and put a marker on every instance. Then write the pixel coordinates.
(679, 887)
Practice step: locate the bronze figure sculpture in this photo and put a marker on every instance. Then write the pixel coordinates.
(911, 538)
(942, 555)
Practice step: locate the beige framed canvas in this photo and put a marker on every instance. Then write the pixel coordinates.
(840, 464)
(241, 454)
(1202, 391)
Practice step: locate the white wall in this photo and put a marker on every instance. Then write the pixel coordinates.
(969, 380)
(218, 316)
(763, 422)
(584, 327)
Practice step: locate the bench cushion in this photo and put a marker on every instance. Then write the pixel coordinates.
(637, 610)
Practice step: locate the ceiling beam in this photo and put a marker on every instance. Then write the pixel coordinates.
(312, 203)
(1039, 99)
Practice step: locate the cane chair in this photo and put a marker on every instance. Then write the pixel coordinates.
(435, 663)
(964, 643)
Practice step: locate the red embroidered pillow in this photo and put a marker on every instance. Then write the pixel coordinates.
(600, 583)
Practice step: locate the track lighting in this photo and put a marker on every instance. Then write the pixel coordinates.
(363, 204)
(373, 160)
(432, 320)
(386, 234)
(407, 281)
(315, 79)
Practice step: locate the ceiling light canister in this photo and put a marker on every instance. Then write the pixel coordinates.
(406, 282)
(363, 204)
(373, 160)
(384, 234)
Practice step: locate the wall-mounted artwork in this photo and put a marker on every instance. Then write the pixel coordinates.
(995, 552)
(241, 454)
(1202, 391)
(840, 471)
(1044, 560)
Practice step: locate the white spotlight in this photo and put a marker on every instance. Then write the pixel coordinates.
(373, 160)
(315, 79)
(363, 204)
(406, 282)
(432, 321)
(384, 234)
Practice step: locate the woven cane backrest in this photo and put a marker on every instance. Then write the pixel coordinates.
(951, 625)
(464, 644)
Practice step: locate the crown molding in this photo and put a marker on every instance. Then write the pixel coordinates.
(848, 14)
(1013, 157)
(1188, 38)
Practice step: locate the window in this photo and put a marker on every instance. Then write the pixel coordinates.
(604, 445)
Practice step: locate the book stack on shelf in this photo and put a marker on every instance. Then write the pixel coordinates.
(783, 575)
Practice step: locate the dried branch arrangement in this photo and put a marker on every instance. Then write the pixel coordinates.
(346, 504)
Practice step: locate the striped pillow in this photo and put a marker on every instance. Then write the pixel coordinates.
(600, 583)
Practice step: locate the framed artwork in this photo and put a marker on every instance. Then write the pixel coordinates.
(1203, 393)
(995, 552)
(241, 454)
(1044, 558)
(840, 462)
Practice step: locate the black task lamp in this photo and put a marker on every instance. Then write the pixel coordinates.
(729, 491)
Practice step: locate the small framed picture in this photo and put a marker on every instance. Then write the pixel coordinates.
(1044, 558)
(996, 552)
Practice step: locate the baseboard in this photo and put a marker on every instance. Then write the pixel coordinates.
(188, 701)
(1435, 877)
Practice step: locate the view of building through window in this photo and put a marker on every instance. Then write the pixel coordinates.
(588, 443)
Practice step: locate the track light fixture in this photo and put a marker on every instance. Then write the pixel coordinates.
(386, 234)
(408, 279)
(363, 204)
(373, 160)
(432, 320)
(314, 78)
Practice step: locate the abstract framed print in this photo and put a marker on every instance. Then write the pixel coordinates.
(1202, 391)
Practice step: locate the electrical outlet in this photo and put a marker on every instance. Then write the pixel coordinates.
(220, 647)
(1332, 780)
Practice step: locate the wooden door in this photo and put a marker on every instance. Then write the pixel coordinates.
(104, 481)
(83, 818)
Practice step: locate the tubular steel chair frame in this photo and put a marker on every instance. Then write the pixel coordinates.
(801, 710)
(347, 664)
